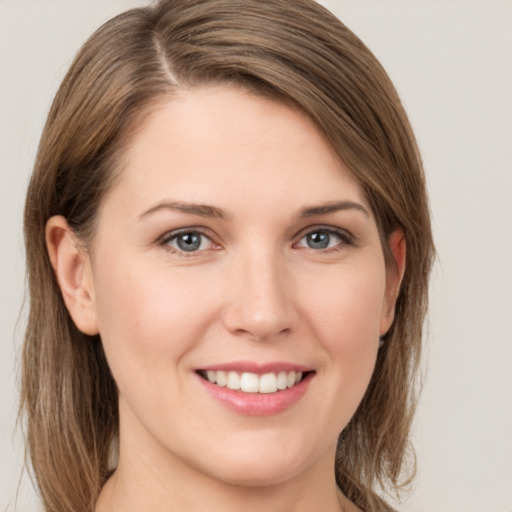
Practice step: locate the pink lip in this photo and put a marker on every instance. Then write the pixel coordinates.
(257, 404)
(260, 369)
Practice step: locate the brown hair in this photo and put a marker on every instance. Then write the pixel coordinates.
(292, 50)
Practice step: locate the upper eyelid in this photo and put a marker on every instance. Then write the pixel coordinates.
(173, 233)
(324, 227)
(164, 242)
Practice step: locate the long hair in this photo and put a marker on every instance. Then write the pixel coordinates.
(291, 50)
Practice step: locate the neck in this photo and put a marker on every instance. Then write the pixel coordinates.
(116, 497)
(151, 477)
(143, 483)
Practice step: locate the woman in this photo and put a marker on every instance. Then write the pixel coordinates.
(228, 246)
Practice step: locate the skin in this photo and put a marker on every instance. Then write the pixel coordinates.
(255, 290)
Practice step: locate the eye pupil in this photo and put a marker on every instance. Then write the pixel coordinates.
(318, 240)
(189, 241)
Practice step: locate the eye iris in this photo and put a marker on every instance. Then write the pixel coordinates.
(318, 240)
(189, 241)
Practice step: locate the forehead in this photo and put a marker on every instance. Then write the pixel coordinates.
(220, 142)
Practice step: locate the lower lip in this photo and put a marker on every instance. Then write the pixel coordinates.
(258, 404)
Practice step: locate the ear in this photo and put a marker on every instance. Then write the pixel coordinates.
(394, 276)
(72, 267)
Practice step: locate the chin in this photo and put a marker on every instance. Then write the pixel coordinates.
(262, 463)
(264, 474)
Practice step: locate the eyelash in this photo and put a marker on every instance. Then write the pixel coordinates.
(346, 239)
(173, 235)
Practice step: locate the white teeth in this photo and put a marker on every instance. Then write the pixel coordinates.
(282, 380)
(233, 380)
(249, 382)
(221, 379)
(268, 383)
(253, 383)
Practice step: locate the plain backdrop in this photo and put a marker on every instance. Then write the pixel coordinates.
(451, 61)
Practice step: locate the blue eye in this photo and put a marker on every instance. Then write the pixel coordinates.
(322, 239)
(189, 241)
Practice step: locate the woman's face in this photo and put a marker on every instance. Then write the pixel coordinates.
(237, 250)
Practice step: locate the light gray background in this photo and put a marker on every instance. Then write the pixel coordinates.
(451, 62)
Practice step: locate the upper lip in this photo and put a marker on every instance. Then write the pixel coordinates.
(258, 368)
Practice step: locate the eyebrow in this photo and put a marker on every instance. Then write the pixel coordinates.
(332, 207)
(203, 210)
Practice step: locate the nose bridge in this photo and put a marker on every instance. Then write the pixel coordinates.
(259, 303)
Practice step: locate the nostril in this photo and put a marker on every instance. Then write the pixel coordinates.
(259, 305)
(256, 325)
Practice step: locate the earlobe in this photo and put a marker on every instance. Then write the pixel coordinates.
(394, 277)
(72, 268)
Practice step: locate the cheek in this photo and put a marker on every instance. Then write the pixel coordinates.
(348, 304)
(345, 310)
(148, 320)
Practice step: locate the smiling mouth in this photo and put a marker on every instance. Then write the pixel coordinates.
(248, 382)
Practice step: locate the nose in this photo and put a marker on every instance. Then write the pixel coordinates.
(259, 303)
